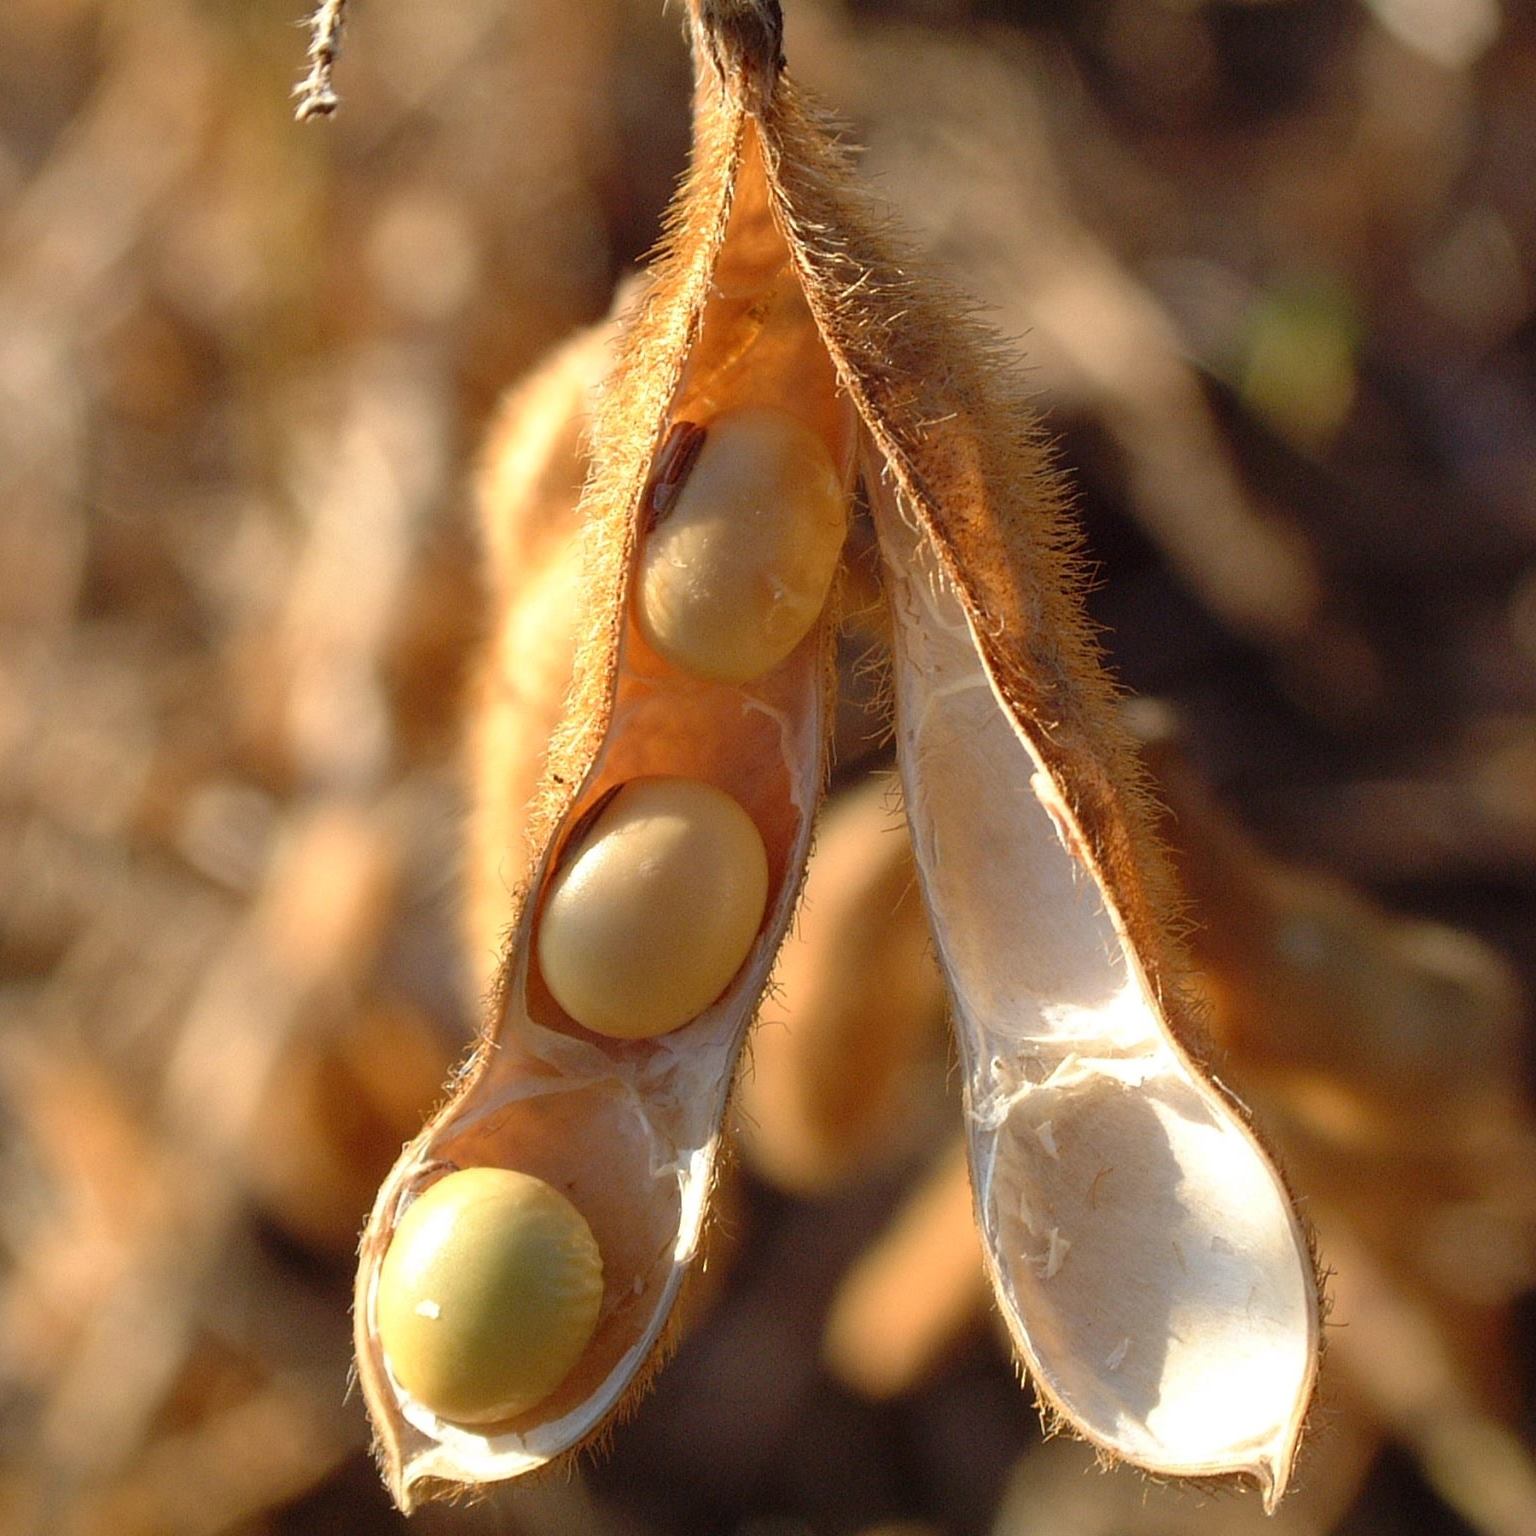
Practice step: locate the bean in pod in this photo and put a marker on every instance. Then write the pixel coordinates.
(653, 912)
(737, 567)
(488, 1294)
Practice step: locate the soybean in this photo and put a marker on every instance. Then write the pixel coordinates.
(652, 913)
(739, 563)
(488, 1295)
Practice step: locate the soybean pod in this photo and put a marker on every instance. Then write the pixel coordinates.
(1143, 1250)
(618, 1109)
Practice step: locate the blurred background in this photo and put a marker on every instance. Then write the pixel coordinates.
(1273, 264)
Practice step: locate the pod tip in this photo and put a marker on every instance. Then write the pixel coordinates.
(743, 39)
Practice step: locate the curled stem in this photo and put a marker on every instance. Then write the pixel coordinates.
(316, 92)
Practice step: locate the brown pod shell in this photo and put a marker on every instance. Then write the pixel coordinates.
(627, 1130)
(1142, 1247)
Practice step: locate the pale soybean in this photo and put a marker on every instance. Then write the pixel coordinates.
(739, 564)
(653, 911)
(488, 1295)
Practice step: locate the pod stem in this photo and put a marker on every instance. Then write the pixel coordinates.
(316, 92)
(744, 42)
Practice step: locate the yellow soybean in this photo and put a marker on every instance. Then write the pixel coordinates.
(738, 567)
(488, 1294)
(652, 914)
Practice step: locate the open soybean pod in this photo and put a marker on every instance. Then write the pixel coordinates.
(625, 1130)
(1142, 1247)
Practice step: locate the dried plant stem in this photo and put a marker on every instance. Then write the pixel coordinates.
(315, 92)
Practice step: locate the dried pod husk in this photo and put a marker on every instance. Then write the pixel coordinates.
(1053, 1489)
(627, 1130)
(1142, 1246)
